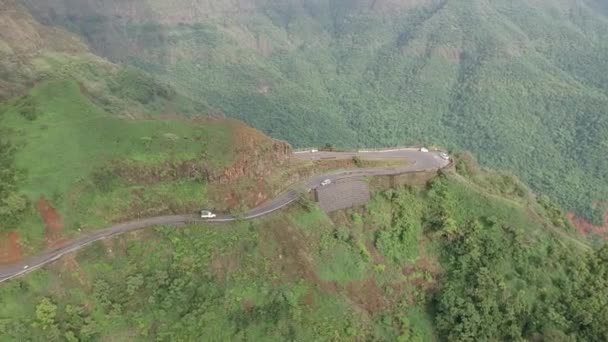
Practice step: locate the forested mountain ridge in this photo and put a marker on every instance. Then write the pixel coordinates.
(519, 83)
(468, 255)
(31, 52)
(72, 124)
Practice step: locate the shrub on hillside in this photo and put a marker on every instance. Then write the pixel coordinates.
(133, 84)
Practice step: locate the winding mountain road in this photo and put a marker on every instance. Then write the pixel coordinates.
(419, 161)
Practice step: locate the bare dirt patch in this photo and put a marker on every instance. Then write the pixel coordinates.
(52, 221)
(10, 250)
(256, 155)
(367, 295)
(241, 194)
(587, 229)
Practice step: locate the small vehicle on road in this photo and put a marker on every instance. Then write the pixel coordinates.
(314, 150)
(444, 156)
(424, 149)
(26, 267)
(207, 214)
(326, 182)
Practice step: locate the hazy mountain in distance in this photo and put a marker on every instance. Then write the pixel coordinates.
(521, 84)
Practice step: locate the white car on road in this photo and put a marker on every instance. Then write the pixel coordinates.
(424, 149)
(207, 214)
(326, 182)
(444, 156)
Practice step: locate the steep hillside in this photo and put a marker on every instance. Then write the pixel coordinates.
(470, 256)
(520, 83)
(24, 45)
(31, 52)
(69, 166)
(83, 144)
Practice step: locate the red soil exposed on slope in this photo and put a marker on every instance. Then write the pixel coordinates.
(586, 228)
(10, 251)
(52, 221)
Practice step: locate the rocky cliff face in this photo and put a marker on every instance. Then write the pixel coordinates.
(248, 180)
(256, 157)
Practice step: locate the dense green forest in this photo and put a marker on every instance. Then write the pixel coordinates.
(470, 256)
(520, 84)
(12, 203)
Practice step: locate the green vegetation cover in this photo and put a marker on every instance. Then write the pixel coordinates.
(520, 84)
(61, 152)
(471, 256)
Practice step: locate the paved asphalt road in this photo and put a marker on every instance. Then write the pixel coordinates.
(419, 161)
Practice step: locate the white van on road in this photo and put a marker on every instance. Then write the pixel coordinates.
(207, 214)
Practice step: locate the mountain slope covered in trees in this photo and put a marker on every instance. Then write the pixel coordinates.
(85, 143)
(471, 255)
(521, 84)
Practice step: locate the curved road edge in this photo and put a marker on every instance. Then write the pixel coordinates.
(422, 161)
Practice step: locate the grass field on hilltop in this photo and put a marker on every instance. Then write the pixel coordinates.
(70, 137)
(66, 146)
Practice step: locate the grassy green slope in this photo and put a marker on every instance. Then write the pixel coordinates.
(520, 84)
(471, 256)
(82, 143)
(71, 152)
(71, 137)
